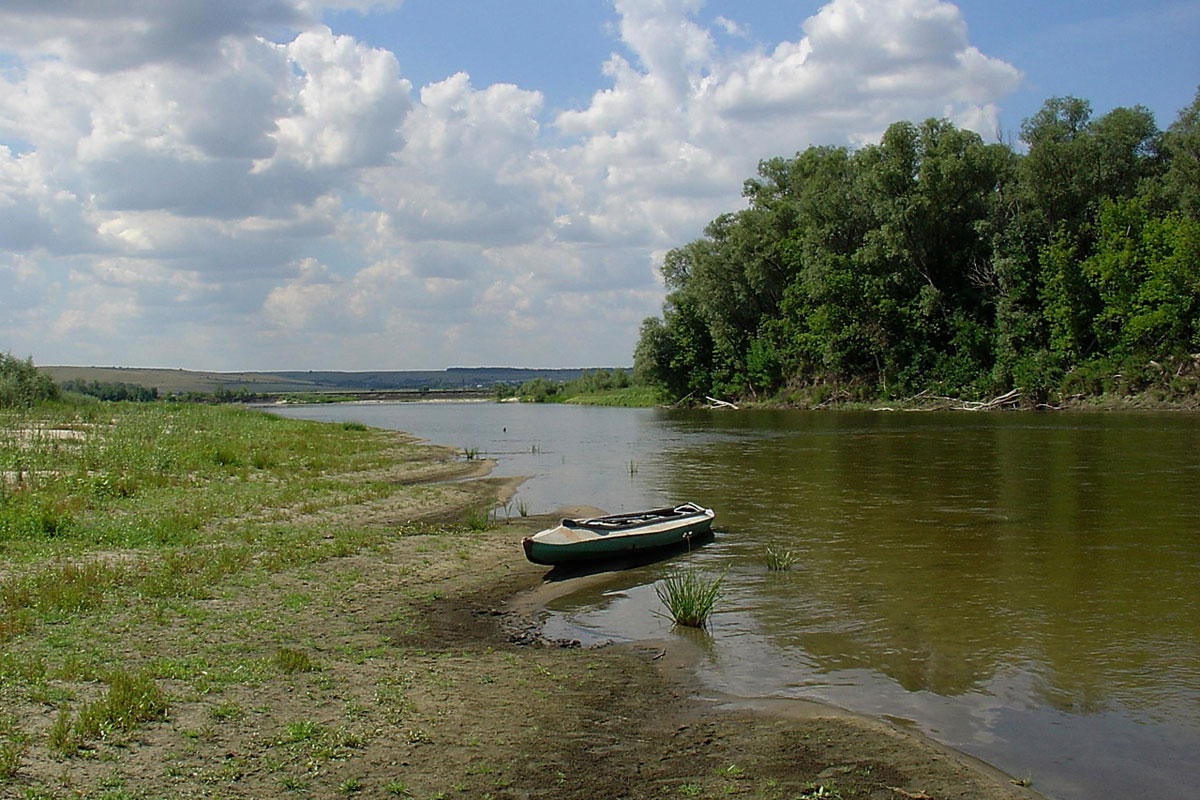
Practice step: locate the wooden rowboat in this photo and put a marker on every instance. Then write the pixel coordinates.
(597, 538)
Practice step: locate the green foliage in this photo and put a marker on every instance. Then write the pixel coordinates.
(779, 559)
(934, 262)
(131, 699)
(22, 385)
(290, 661)
(114, 392)
(541, 390)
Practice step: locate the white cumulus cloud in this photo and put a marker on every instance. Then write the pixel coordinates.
(231, 184)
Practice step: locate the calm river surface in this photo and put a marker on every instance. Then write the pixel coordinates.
(1023, 587)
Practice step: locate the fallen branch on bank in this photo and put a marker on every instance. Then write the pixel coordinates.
(715, 403)
(1012, 398)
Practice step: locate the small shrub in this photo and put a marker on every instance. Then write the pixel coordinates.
(353, 426)
(690, 597)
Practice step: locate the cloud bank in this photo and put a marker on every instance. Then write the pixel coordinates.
(228, 185)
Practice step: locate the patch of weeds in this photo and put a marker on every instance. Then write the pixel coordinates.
(11, 753)
(17, 669)
(13, 622)
(351, 425)
(61, 588)
(130, 700)
(291, 661)
(296, 601)
(396, 788)
(350, 786)
(263, 460)
(303, 730)
(227, 711)
(478, 519)
(293, 783)
(205, 734)
(62, 738)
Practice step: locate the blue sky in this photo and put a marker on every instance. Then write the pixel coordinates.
(1111, 52)
(316, 184)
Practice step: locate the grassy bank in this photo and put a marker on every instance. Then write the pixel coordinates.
(125, 533)
(628, 397)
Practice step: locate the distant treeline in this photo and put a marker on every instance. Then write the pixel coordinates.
(112, 391)
(542, 390)
(935, 262)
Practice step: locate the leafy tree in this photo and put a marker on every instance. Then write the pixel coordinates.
(934, 261)
(1181, 148)
(22, 385)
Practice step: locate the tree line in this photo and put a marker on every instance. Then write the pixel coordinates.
(936, 262)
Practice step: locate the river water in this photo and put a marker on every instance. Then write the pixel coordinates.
(1023, 587)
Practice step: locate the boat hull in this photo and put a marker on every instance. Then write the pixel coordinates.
(581, 541)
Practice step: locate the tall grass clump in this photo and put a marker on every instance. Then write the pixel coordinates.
(690, 596)
(479, 518)
(291, 661)
(131, 699)
(10, 759)
(778, 559)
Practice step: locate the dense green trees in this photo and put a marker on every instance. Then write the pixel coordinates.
(936, 261)
(542, 390)
(115, 392)
(21, 383)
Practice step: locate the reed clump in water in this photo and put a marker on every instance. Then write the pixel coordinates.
(779, 559)
(690, 596)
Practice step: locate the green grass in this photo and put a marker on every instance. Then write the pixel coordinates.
(189, 494)
(291, 661)
(131, 699)
(690, 596)
(778, 559)
(478, 518)
(629, 397)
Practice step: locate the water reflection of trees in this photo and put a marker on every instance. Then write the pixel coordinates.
(941, 550)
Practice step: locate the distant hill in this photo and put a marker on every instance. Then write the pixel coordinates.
(179, 381)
